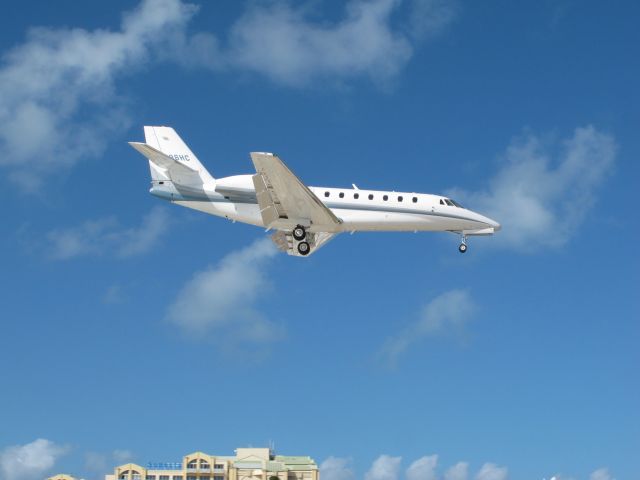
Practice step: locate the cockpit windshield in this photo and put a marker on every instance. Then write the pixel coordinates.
(451, 203)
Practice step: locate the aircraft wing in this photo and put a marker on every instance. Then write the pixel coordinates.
(284, 200)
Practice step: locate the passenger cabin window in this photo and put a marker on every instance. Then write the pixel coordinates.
(341, 195)
(370, 196)
(415, 199)
(326, 194)
(385, 197)
(356, 196)
(400, 198)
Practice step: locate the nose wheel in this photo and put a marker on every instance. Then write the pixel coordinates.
(463, 244)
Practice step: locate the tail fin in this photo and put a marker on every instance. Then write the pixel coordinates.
(167, 141)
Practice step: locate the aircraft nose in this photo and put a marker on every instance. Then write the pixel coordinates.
(491, 223)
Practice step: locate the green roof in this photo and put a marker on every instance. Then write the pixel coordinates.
(292, 461)
(275, 467)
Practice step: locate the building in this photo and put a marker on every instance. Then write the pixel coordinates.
(247, 464)
(61, 476)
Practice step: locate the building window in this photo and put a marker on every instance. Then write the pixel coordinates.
(400, 198)
(326, 194)
(205, 477)
(150, 477)
(219, 466)
(356, 196)
(164, 477)
(177, 477)
(385, 197)
(218, 477)
(415, 199)
(370, 196)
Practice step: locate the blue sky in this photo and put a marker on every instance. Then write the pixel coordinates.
(134, 329)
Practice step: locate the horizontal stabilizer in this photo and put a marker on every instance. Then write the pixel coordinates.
(160, 159)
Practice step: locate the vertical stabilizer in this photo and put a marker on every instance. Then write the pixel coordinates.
(166, 140)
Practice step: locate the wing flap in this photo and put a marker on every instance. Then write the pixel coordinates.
(268, 207)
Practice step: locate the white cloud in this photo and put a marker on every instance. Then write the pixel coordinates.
(97, 465)
(490, 471)
(122, 456)
(336, 468)
(292, 47)
(384, 467)
(136, 241)
(423, 469)
(113, 295)
(106, 236)
(31, 461)
(601, 474)
(283, 43)
(222, 298)
(449, 311)
(459, 471)
(539, 198)
(431, 17)
(58, 102)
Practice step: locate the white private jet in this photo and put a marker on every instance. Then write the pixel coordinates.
(303, 218)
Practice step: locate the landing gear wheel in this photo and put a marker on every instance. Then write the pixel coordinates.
(462, 248)
(299, 233)
(304, 248)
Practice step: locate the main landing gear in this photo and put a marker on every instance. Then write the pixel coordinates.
(463, 244)
(304, 248)
(300, 233)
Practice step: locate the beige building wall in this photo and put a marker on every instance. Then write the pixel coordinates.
(247, 464)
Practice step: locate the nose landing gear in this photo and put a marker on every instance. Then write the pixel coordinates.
(463, 244)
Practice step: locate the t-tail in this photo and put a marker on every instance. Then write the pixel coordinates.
(174, 167)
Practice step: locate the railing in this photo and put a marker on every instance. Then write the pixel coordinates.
(164, 466)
